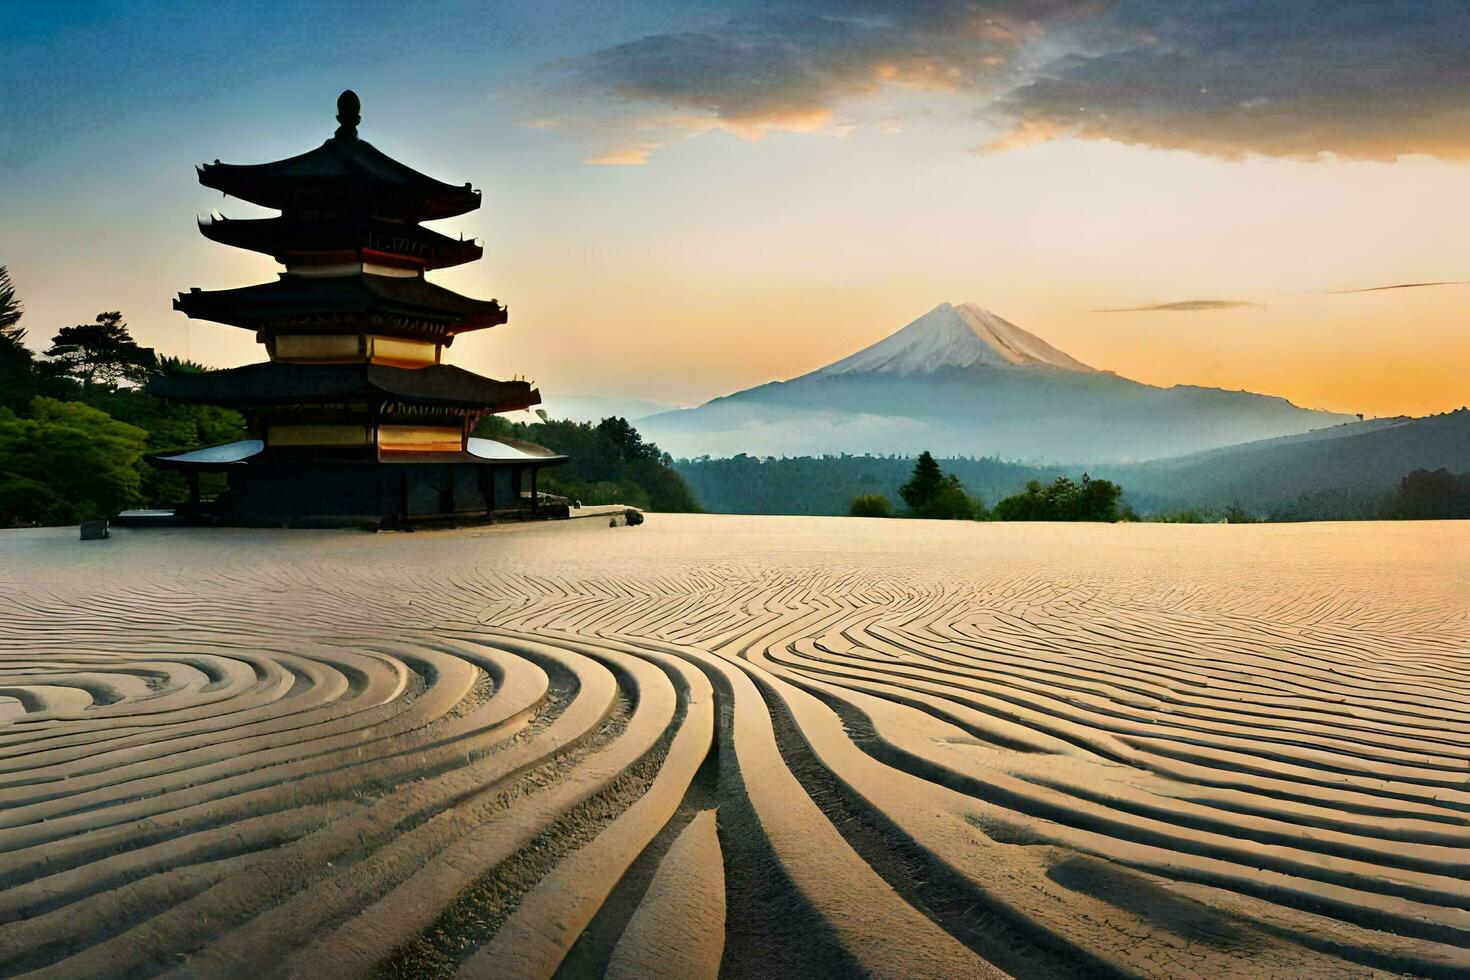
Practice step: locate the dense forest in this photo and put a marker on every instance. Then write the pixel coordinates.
(1343, 472)
(1348, 472)
(827, 484)
(609, 463)
(75, 423)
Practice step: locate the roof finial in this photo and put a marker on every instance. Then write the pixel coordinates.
(349, 114)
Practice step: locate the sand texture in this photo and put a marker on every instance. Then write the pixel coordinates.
(747, 747)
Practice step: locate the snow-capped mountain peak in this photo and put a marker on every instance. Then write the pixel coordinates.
(955, 337)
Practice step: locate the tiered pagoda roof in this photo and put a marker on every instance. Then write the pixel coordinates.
(274, 383)
(344, 174)
(382, 303)
(349, 237)
(286, 238)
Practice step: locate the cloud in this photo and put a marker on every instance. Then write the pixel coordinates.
(1403, 285)
(1184, 306)
(787, 68)
(1235, 77)
(1221, 77)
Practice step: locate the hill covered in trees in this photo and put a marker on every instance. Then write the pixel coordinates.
(609, 463)
(75, 425)
(826, 485)
(1345, 472)
(1339, 473)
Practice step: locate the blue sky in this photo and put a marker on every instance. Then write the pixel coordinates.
(683, 199)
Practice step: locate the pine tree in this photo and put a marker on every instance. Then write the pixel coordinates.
(10, 310)
(101, 353)
(927, 480)
(18, 382)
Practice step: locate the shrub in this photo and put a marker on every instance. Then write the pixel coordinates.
(949, 503)
(1236, 514)
(1062, 500)
(870, 505)
(1190, 516)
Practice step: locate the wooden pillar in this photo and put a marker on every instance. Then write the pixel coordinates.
(193, 476)
(535, 501)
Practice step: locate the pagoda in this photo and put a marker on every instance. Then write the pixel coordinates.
(355, 417)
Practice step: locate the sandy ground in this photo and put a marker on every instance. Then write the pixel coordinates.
(745, 746)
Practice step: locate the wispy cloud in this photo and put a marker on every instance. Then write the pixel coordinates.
(1184, 306)
(1402, 285)
(787, 68)
(1221, 77)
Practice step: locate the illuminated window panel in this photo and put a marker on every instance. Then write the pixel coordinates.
(318, 347)
(398, 352)
(421, 438)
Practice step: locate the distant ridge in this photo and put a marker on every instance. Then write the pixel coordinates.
(962, 381)
(1351, 464)
(1338, 473)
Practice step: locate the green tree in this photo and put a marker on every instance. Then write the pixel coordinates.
(102, 353)
(608, 463)
(627, 441)
(172, 427)
(1095, 500)
(10, 309)
(18, 381)
(1062, 500)
(870, 505)
(949, 503)
(1431, 495)
(926, 481)
(66, 463)
(931, 493)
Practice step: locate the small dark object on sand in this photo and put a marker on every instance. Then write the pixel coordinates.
(95, 530)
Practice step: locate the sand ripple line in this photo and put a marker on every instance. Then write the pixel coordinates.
(781, 764)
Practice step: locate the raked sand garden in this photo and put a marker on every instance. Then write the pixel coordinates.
(740, 746)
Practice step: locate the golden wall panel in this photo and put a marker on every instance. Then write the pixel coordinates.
(425, 438)
(318, 435)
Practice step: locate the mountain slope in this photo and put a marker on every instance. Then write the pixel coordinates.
(1360, 461)
(962, 381)
(592, 408)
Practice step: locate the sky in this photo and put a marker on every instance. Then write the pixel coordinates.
(685, 199)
